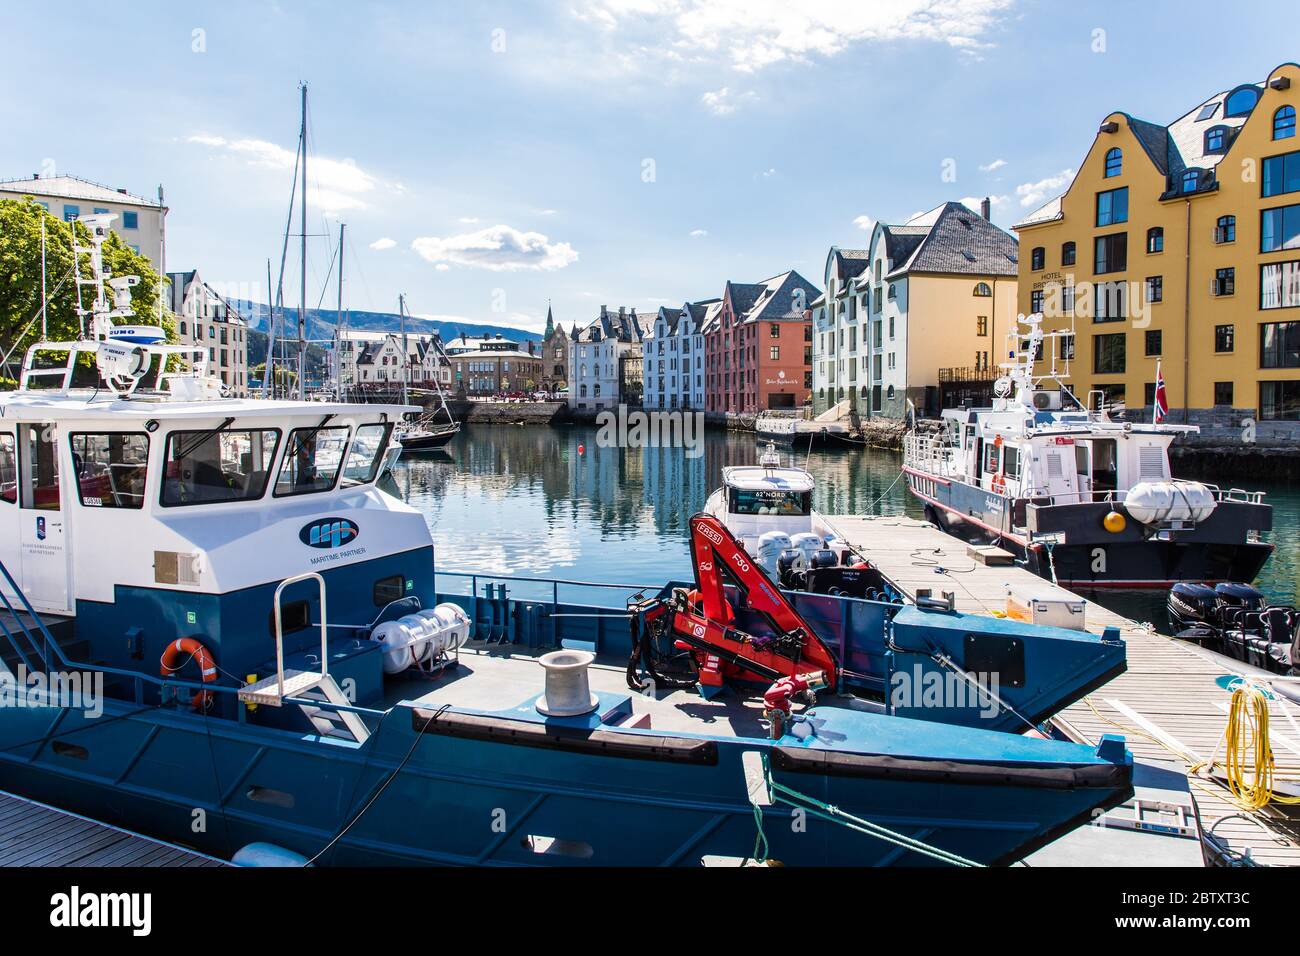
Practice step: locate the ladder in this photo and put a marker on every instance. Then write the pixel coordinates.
(298, 685)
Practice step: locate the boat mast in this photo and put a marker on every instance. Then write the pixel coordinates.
(302, 302)
(406, 356)
(338, 323)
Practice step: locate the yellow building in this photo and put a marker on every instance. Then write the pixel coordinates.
(1180, 244)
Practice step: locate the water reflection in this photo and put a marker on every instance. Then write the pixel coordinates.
(525, 500)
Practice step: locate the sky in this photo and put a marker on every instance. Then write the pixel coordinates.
(489, 158)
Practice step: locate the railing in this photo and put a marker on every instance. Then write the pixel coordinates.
(931, 455)
(968, 374)
(279, 626)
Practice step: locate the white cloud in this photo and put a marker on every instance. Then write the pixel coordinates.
(973, 202)
(381, 244)
(993, 166)
(699, 233)
(768, 173)
(498, 248)
(333, 185)
(723, 102)
(752, 34)
(510, 320)
(1035, 194)
(865, 223)
(468, 220)
(547, 212)
(442, 267)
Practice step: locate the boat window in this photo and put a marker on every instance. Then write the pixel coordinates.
(1105, 467)
(389, 589)
(783, 504)
(1011, 461)
(207, 467)
(312, 460)
(40, 467)
(991, 456)
(110, 468)
(8, 469)
(365, 456)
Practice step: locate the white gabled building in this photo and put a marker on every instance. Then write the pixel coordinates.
(674, 357)
(605, 361)
(204, 317)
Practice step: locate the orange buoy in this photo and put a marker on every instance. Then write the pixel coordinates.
(173, 659)
(582, 449)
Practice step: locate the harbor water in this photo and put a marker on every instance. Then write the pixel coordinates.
(539, 501)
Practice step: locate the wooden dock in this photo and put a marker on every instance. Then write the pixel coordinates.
(33, 834)
(1167, 705)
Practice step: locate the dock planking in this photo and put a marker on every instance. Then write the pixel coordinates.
(34, 834)
(1167, 704)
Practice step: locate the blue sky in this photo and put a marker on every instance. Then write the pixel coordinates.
(489, 156)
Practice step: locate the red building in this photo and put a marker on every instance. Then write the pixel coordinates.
(758, 349)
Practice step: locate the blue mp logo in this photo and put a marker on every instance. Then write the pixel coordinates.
(328, 532)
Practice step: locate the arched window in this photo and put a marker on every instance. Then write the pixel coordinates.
(1067, 253)
(1191, 179)
(1216, 139)
(1240, 101)
(1284, 123)
(182, 328)
(893, 291)
(1037, 258)
(1114, 162)
(983, 288)
(889, 392)
(864, 391)
(1225, 230)
(1155, 239)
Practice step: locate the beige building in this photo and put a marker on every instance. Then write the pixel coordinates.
(203, 317)
(139, 222)
(922, 314)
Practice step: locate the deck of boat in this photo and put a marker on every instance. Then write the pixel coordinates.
(33, 834)
(1167, 704)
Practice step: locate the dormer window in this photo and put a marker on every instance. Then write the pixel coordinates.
(1216, 139)
(1284, 123)
(1114, 162)
(1241, 101)
(1191, 179)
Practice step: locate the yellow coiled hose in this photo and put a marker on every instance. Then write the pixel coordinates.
(1248, 757)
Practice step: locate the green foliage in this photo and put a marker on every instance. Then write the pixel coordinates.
(20, 278)
(284, 377)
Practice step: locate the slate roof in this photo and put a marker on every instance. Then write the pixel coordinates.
(1175, 148)
(772, 299)
(73, 187)
(852, 262)
(955, 241)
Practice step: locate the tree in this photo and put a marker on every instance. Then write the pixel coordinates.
(286, 379)
(20, 278)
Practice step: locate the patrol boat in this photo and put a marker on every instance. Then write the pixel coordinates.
(1079, 496)
(220, 632)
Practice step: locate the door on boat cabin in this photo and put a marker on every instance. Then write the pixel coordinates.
(42, 533)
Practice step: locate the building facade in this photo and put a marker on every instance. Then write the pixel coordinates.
(373, 359)
(605, 361)
(203, 317)
(758, 349)
(497, 366)
(1178, 245)
(555, 356)
(923, 308)
(139, 223)
(674, 357)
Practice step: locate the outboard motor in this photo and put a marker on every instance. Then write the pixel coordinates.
(790, 566)
(1193, 607)
(825, 558)
(1236, 602)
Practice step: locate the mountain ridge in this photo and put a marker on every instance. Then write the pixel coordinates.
(320, 324)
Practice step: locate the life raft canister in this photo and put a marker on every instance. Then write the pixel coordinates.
(174, 657)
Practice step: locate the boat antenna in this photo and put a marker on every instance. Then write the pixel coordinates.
(339, 321)
(302, 301)
(44, 334)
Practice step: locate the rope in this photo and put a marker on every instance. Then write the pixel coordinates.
(833, 814)
(1248, 756)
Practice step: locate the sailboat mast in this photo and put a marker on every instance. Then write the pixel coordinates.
(338, 324)
(268, 367)
(302, 303)
(406, 355)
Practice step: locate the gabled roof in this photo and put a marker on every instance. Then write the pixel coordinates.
(773, 298)
(72, 187)
(954, 240)
(1178, 147)
(852, 262)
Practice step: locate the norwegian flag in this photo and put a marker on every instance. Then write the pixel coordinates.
(1161, 410)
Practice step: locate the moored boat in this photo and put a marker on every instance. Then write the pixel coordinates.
(1077, 494)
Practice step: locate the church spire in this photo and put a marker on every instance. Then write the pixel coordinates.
(550, 321)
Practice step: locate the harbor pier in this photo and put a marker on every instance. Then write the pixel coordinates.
(1170, 704)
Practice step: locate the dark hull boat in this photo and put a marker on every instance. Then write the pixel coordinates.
(425, 438)
(1077, 496)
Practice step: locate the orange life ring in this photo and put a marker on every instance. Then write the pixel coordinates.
(173, 660)
(999, 484)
